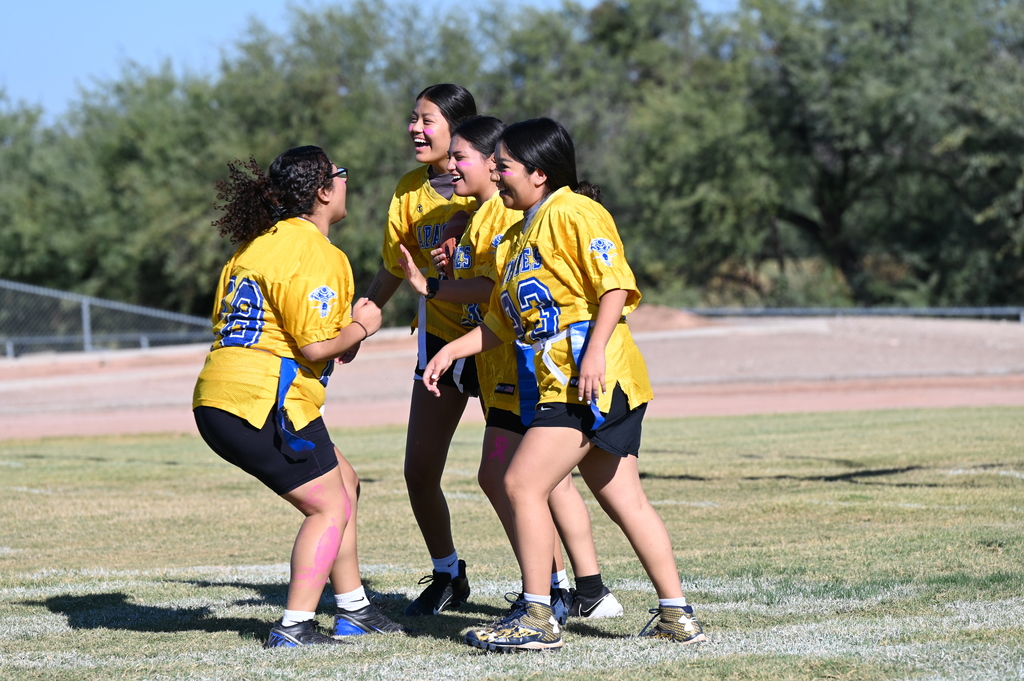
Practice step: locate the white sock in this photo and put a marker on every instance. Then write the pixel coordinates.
(559, 580)
(534, 598)
(673, 602)
(291, 617)
(353, 600)
(449, 564)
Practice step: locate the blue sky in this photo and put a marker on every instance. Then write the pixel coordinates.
(51, 49)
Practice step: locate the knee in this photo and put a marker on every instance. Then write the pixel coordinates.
(491, 481)
(516, 486)
(351, 480)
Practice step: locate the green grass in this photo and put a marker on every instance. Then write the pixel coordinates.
(875, 545)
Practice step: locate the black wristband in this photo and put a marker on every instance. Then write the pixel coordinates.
(432, 285)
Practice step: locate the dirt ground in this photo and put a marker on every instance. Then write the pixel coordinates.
(699, 367)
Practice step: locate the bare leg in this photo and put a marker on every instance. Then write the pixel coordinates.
(615, 481)
(325, 503)
(345, 575)
(432, 423)
(499, 447)
(573, 522)
(543, 459)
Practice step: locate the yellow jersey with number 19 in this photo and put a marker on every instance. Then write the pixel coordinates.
(554, 271)
(286, 288)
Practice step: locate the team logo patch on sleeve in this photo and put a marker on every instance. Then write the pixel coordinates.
(603, 250)
(324, 297)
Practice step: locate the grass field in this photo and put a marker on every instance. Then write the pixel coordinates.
(874, 545)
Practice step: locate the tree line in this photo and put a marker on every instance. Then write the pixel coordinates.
(835, 152)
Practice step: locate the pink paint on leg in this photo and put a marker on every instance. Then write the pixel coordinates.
(315, 495)
(500, 445)
(323, 560)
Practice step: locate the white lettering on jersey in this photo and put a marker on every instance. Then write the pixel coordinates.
(528, 261)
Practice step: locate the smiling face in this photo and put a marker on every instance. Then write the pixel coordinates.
(430, 134)
(519, 189)
(470, 170)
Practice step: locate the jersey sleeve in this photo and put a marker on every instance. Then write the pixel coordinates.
(316, 304)
(602, 258)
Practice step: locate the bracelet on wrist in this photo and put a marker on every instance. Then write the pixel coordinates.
(366, 334)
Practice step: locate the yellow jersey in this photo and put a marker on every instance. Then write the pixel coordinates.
(416, 218)
(286, 288)
(554, 271)
(474, 257)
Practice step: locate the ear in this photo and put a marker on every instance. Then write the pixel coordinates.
(323, 194)
(539, 178)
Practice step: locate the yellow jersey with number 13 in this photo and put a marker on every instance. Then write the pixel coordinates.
(553, 273)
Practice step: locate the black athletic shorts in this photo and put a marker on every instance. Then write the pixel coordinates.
(619, 434)
(505, 419)
(461, 374)
(263, 453)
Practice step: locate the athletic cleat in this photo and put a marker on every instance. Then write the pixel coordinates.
(443, 593)
(367, 620)
(302, 634)
(605, 605)
(561, 604)
(532, 627)
(516, 604)
(675, 624)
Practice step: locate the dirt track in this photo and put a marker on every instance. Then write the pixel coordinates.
(738, 366)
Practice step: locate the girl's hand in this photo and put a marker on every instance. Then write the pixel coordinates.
(349, 354)
(412, 273)
(591, 382)
(438, 364)
(440, 256)
(368, 314)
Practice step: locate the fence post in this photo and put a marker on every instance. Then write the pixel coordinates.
(86, 327)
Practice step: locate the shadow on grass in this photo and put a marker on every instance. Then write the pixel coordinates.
(116, 611)
(854, 477)
(448, 625)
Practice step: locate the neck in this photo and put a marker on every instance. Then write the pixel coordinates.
(319, 220)
(484, 196)
(539, 201)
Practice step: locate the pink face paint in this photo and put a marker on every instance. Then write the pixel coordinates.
(506, 173)
(500, 445)
(411, 126)
(464, 164)
(428, 131)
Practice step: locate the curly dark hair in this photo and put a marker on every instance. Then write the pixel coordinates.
(254, 202)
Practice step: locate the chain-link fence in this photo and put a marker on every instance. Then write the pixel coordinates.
(37, 319)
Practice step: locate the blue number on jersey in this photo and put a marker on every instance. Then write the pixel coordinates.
(243, 316)
(532, 293)
(472, 317)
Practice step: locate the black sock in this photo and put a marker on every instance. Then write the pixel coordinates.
(589, 586)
